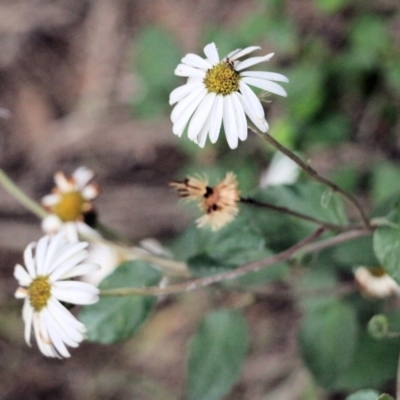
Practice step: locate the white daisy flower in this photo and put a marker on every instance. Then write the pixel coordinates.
(45, 282)
(217, 91)
(69, 201)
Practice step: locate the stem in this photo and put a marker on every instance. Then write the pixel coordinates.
(333, 241)
(20, 196)
(175, 268)
(314, 174)
(284, 210)
(209, 280)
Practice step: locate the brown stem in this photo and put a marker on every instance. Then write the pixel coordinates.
(314, 174)
(284, 210)
(209, 280)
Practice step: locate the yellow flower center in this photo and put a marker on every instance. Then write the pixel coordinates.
(70, 206)
(222, 79)
(377, 271)
(39, 292)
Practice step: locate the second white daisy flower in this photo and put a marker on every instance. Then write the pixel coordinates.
(217, 92)
(44, 283)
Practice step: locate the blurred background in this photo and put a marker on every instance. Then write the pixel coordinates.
(86, 82)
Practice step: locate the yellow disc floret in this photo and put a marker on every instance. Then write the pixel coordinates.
(222, 79)
(39, 292)
(70, 206)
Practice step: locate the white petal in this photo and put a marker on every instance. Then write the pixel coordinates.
(260, 123)
(184, 103)
(186, 70)
(202, 136)
(269, 86)
(51, 199)
(183, 119)
(82, 176)
(90, 192)
(182, 91)
(51, 224)
(29, 260)
(21, 293)
(62, 182)
(42, 337)
(67, 333)
(212, 53)
(216, 118)
(27, 316)
(243, 52)
(230, 126)
(22, 276)
(56, 308)
(196, 61)
(271, 76)
(87, 232)
(40, 254)
(81, 269)
(66, 266)
(253, 61)
(240, 116)
(232, 53)
(56, 243)
(252, 100)
(75, 292)
(54, 334)
(66, 252)
(200, 116)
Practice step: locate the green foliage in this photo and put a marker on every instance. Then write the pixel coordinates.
(387, 244)
(216, 355)
(114, 319)
(378, 326)
(328, 339)
(367, 394)
(156, 58)
(385, 181)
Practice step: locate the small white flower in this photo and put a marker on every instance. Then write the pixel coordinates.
(375, 282)
(69, 201)
(217, 91)
(44, 283)
(281, 171)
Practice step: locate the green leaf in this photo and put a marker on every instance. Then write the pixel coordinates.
(331, 6)
(385, 181)
(387, 245)
(366, 394)
(356, 252)
(328, 339)
(216, 355)
(113, 319)
(374, 364)
(385, 396)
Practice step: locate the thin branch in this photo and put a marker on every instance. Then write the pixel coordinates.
(284, 210)
(333, 241)
(209, 280)
(20, 196)
(314, 174)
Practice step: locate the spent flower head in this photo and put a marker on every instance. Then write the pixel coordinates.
(218, 203)
(44, 283)
(375, 282)
(69, 201)
(217, 92)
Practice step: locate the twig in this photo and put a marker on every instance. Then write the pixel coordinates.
(209, 280)
(20, 196)
(284, 210)
(333, 241)
(314, 174)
